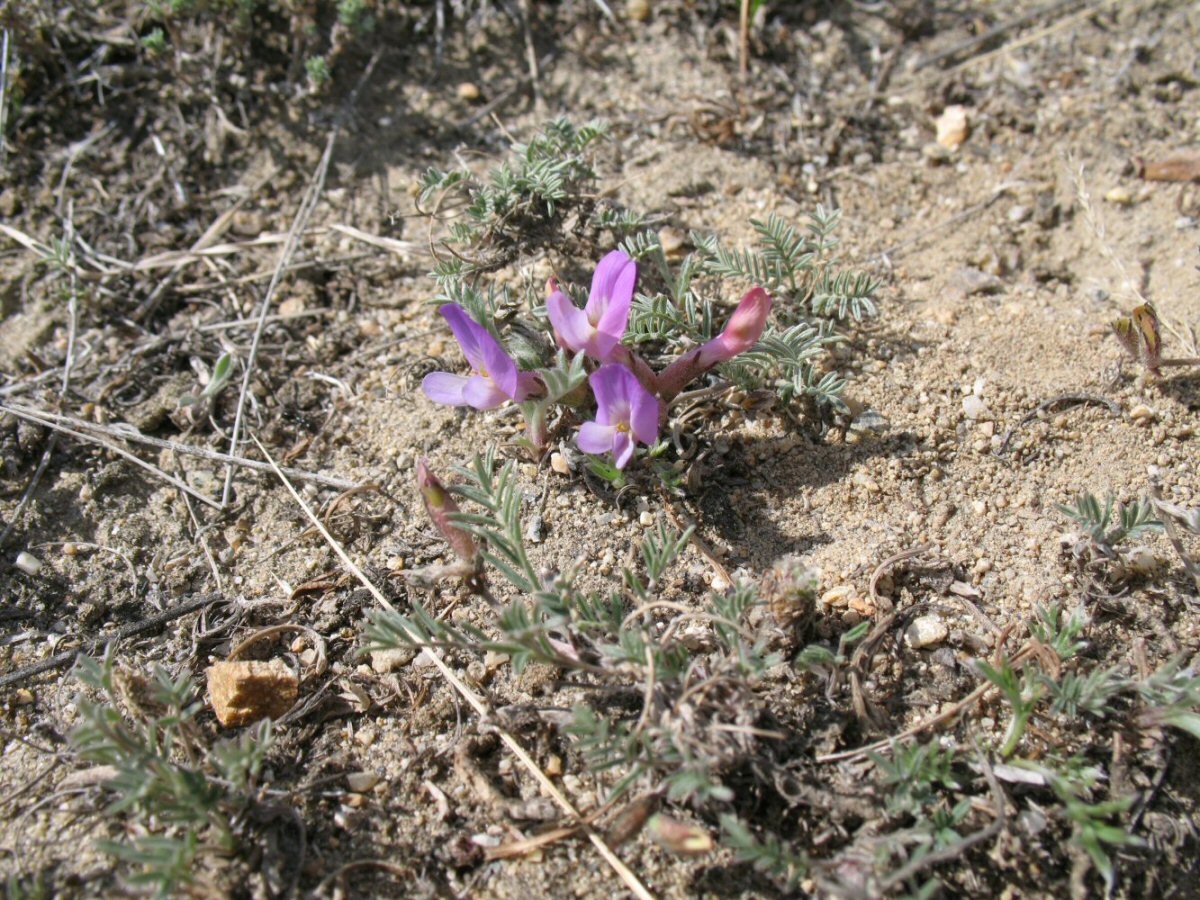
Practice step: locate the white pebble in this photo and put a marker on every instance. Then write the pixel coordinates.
(926, 631)
(361, 782)
(974, 407)
(28, 563)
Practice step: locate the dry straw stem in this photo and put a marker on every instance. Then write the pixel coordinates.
(476, 702)
(887, 743)
(90, 432)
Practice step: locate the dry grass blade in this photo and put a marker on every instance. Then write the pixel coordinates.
(50, 420)
(391, 245)
(947, 715)
(476, 702)
(3, 97)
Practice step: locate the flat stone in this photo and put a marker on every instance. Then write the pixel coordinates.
(384, 661)
(244, 691)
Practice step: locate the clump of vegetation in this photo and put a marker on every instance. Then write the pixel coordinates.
(698, 705)
(697, 676)
(176, 796)
(637, 348)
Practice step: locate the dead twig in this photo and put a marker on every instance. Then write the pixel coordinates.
(1166, 516)
(53, 420)
(932, 722)
(531, 59)
(132, 630)
(382, 864)
(882, 603)
(307, 205)
(991, 34)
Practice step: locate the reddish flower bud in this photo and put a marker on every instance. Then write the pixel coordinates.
(741, 333)
(440, 506)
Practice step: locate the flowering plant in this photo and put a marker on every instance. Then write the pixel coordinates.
(631, 398)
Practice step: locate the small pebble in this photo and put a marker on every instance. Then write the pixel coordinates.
(559, 464)
(493, 660)
(646, 519)
(952, 126)
(1143, 414)
(535, 531)
(468, 91)
(974, 407)
(1018, 214)
(638, 10)
(837, 596)
(384, 661)
(1120, 196)
(926, 631)
(672, 241)
(361, 782)
(28, 563)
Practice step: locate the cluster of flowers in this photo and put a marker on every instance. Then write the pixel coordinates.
(631, 399)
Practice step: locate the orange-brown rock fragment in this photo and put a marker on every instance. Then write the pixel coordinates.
(244, 691)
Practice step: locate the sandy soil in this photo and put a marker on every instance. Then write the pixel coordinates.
(998, 287)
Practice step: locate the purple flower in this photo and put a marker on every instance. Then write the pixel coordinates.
(496, 378)
(625, 412)
(598, 327)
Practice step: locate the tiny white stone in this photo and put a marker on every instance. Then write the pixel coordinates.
(361, 782)
(926, 631)
(28, 563)
(974, 407)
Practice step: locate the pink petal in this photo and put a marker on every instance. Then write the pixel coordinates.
(482, 393)
(612, 294)
(611, 385)
(596, 438)
(442, 387)
(527, 383)
(622, 448)
(643, 418)
(570, 323)
(466, 331)
(601, 346)
(499, 365)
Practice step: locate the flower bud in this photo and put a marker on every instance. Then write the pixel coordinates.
(677, 837)
(441, 506)
(746, 324)
(741, 333)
